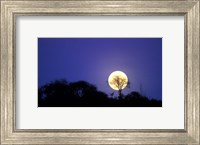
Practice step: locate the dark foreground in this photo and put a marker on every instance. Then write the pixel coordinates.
(60, 93)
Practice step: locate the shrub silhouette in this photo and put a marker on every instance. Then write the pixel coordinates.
(61, 93)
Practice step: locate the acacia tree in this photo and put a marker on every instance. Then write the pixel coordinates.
(119, 83)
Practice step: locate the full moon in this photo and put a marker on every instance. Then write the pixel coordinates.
(117, 80)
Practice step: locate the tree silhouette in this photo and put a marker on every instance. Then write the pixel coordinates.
(119, 83)
(80, 88)
(61, 93)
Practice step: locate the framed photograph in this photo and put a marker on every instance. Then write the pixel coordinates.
(100, 72)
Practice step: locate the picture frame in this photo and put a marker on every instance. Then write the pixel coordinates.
(11, 9)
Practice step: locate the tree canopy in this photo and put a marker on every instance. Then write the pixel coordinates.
(61, 93)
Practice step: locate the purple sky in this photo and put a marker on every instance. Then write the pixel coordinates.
(94, 59)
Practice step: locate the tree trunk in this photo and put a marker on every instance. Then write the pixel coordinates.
(120, 93)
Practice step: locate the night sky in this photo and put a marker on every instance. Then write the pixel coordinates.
(94, 59)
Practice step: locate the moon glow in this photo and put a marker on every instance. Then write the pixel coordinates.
(117, 80)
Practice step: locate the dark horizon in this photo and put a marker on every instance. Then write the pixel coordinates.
(94, 59)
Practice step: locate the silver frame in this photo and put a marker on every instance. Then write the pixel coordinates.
(10, 9)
